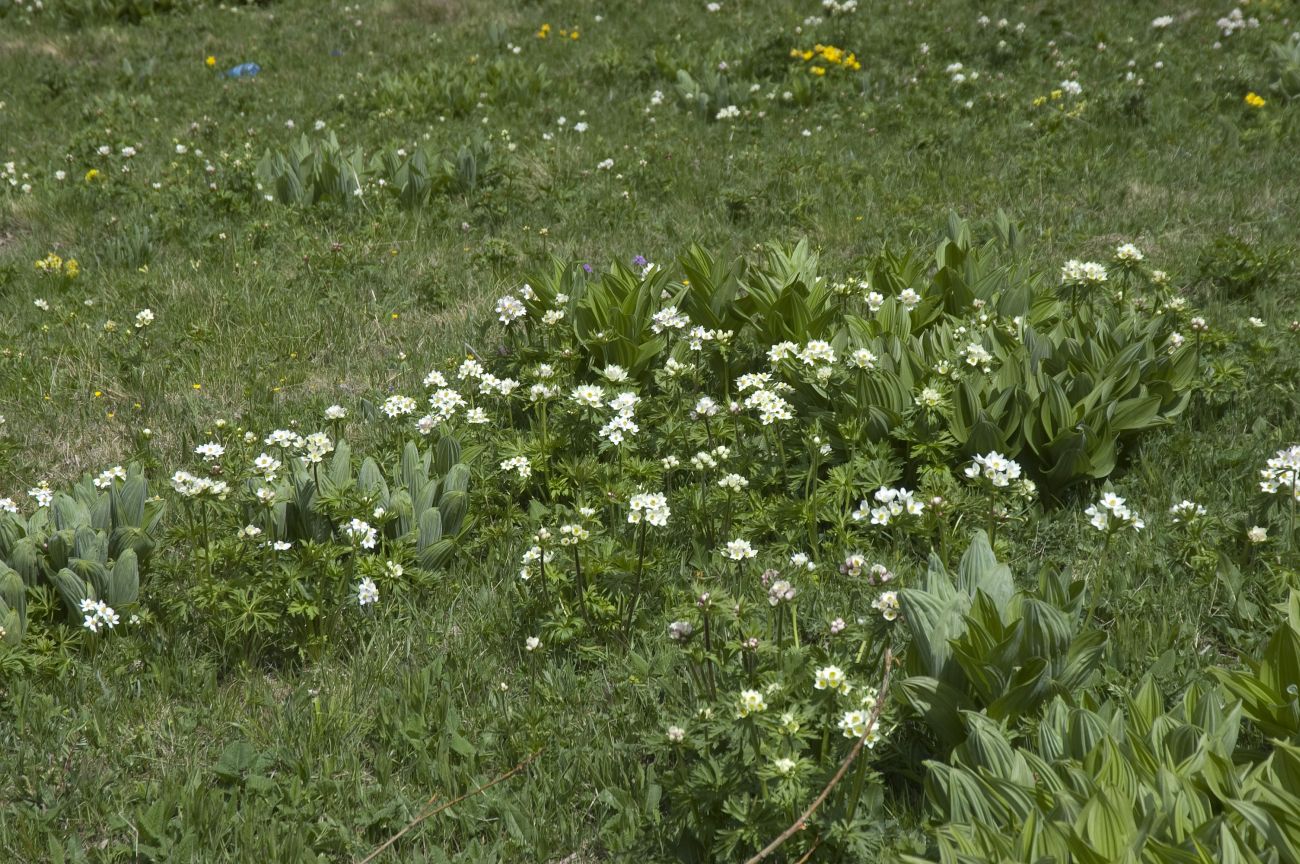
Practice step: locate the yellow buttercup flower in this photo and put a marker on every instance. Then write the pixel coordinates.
(1254, 100)
(817, 70)
(211, 61)
(92, 175)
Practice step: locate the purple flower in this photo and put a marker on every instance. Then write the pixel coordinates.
(586, 268)
(639, 261)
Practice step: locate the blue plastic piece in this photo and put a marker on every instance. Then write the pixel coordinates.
(243, 70)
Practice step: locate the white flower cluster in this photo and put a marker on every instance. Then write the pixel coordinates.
(891, 505)
(622, 425)
(1186, 511)
(650, 506)
(518, 464)
(995, 468)
(738, 550)
(107, 476)
(832, 678)
(781, 591)
(750, 702)
(1282, 472)
(1127, 253)
(1076, 272)
(887, 605)
(1112, 515)
(98, 615)
(189, 486)
(1234, 21)
(362, 534)
(367, 592)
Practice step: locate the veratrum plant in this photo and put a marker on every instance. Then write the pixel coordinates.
(980, 645)
(1120, 782)
(90, 544)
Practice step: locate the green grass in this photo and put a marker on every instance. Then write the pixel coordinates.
(158, 749)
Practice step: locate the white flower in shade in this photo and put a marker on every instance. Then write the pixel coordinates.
(335, 412)
(1112, 515)
(7, 505)
(676, 734)
(887, 605)
(249, 532)
(1257, 535)
(367, 592)
(817, 351)
(731, 112)
(532, 643)
(875, 300)
(994, 468)
(281, 546)
(1162, 22)
(614, 373)
(750, 702)
(784, 765)
(738, 550)
(854, 724)
(910, 299)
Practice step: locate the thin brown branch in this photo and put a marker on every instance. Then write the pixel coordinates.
(436, 810)
(802, 821)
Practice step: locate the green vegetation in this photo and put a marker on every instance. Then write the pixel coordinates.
(695, 407)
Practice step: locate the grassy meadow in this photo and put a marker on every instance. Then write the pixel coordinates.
(669, 400)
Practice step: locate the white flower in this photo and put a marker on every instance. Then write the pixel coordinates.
(509, 309)
(803, 562)
(588, 395)
(1282, 472)
(1256, 534)
(669, 318)
(863, 359)
(909, 298)
(750, 702)
(43, 305)
(532, 643)
(831, 678)
(518, 464)
(1186, 511)
(738, 550)
(143, 318)
(335, 412)
(367, 592)
(676, 734)
(1127, 253)
(650, 506)
(887, 605)
(1162, 22)
(1071, 87)
(362, 534)
(733, 482)
(210, 451)
(398, 406)
(248, 532)
(729, 113)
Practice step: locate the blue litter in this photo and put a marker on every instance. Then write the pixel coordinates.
(243, 70)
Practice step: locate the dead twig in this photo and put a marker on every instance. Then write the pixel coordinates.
(436, 810)
(802, 821)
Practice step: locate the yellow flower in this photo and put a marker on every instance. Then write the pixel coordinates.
(71, 268)
(573, 35)
(197, 386)
(1040, 100)
(92, 175)
(817, 70)
(807, 55)
(211, 61)
(832, 54)
(1056, 94)
(1254, 100)
(544, 31)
